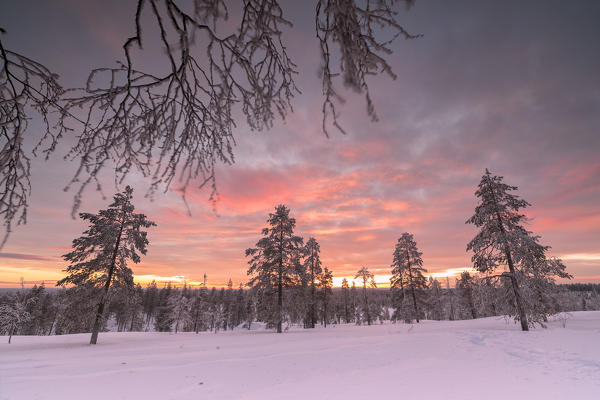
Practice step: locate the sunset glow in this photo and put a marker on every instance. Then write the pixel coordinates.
(467, 97)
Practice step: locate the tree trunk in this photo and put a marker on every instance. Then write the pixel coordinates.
(132, 322)
(366, 302)
(53, 322)
(280, 282)
(313, 316)
(279, 300)
(196, 327)
(325, 312)
(346, 311)
(511, 267)
(98, 320)
(412, 289)
(515, 285)
(473, 311)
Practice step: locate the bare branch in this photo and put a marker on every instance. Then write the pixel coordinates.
(179, 125)
(26, 86)
(354, 25)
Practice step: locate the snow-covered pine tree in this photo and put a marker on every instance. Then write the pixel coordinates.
(450, 295)
(299, 297)
(250, 309)
(312, 266)
(163, 318)
(150, 302)
(228, 321)
(367, 279)
(180, 308)
(58, 307)
(239, 308)
(434, 300)
(200, 307)
(13, 316)
(354, 304)
(100, 256)
(125, 304)
(273, 260)
(325, 284)
(346, 301)
(464, 289)
(407, 272)
(503, 241)
(79, 306)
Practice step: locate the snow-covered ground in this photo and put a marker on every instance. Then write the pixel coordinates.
(480, 359)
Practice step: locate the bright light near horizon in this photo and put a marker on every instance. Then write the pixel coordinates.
(380, 280)
(177, 280)
(384, 280)
(451, 272)
(581, 257)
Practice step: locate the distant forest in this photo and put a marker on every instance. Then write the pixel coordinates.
(169, 309)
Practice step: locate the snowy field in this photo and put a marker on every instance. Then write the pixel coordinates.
(480, 359)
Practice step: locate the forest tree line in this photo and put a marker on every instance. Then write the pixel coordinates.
(169, 309)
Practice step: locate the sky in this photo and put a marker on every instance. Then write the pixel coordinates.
(511, 86)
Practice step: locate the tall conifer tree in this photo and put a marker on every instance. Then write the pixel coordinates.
(312, 266)
(407, 271)
(274, 259)
(367, 279)
(326, 283)
(503, 241)
(99, 257)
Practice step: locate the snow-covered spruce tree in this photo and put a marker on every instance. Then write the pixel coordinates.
(13, 316)
(273, 260)
(100, 256)
(367, 279)
(312, 265)
(407, 272)
(503, 241)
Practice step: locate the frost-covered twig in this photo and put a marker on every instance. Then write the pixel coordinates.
(179, 124)
(26, 87)
(354, 26)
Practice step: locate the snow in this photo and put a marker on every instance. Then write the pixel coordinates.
(477, 359)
